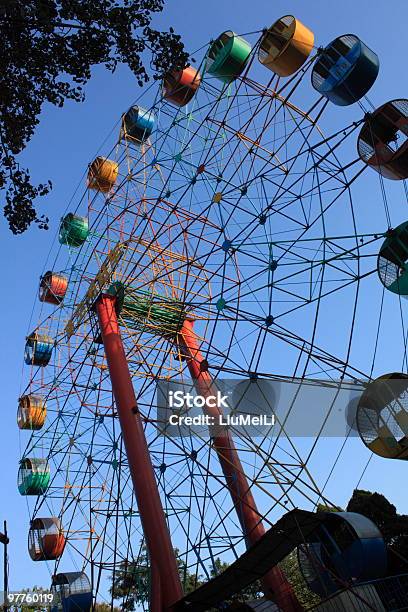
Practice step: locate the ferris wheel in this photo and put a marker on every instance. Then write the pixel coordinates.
(219, 238)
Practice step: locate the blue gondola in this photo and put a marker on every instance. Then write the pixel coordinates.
(38, 349)
(137, 124)
(345, 70)
(72, 592)
(348, 548)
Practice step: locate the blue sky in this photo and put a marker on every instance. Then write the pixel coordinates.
(68, 139)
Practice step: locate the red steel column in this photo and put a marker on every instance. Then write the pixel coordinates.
(274, 582)
(166, 586)
(155, 595)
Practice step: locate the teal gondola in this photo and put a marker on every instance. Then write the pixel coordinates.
(74, 230)
(33, 476)
(227, 57)
(392, 265)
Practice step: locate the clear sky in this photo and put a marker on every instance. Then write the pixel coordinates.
(68, 139)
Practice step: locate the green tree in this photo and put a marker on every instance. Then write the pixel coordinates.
(218, 567)
(290, 567)
(131, 582)
(105, 607)
(324, 508)
(47, 50)
(35, 606)
(392, 525)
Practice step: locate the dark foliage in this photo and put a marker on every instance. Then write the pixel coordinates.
(47, 50)
(393, 526)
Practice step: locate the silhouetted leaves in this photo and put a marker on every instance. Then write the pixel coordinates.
(393, 526)
(47, 50)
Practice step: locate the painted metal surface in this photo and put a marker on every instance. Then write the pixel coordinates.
(33, 476)
(38, 349)
(274, 582)
(180, 87)
(228, 56)
(345, 70)
(32, 412)
(392, 264)
(347, 548)
(74, 230)
(383, 140)
(72, 592)
(382, 416)
(165, 578)
(138, 124)
(46, 539)
(102, 174)
(271, 548)
(285, 46)
(53, 287)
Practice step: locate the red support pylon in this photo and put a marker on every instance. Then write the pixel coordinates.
(166, 586)
(275, 584)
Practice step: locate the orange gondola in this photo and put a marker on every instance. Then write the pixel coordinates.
(285, 46)
(102, 174)
(32, 411)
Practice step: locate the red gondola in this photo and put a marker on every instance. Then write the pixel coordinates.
(179, 87)
(53, 287)
(46, 540)
(383, 140)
